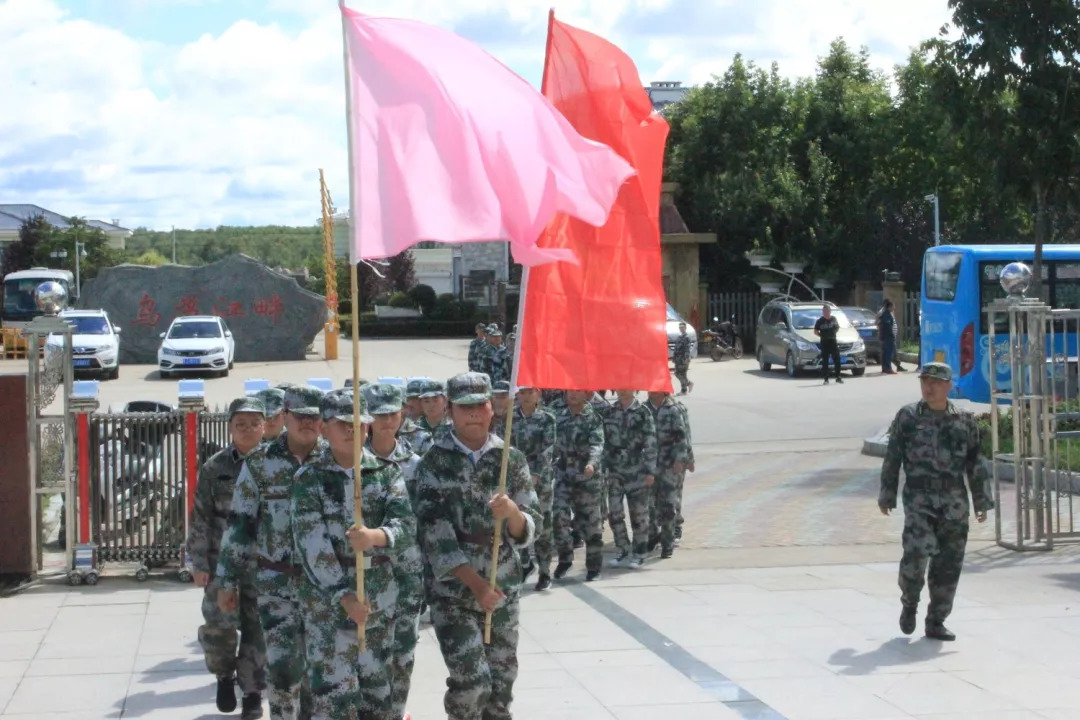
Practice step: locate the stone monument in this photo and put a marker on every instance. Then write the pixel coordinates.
(270, 315)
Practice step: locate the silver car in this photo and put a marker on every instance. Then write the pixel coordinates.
(785, 336)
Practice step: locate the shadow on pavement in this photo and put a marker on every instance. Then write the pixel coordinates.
(895, 652)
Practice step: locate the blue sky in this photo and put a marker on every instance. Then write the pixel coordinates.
(197, 113)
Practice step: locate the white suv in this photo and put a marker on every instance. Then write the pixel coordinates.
(196, 343)
(95, 342)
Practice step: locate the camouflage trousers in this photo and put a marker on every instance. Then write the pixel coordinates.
(637, 498)
(579, 520)
(934, 539)
(681, 375)
(225, 656)
(481, 682)
(678, 504)
(545, 538)
(580, 496)
(284, 632)
(664, 508)
(406, 637)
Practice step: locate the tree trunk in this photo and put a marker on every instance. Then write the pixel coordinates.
(1042, 231)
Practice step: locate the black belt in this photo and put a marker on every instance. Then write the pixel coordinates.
(280, 567)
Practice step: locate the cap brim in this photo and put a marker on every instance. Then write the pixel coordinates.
(473, 399)
(384, 410)
(348, 418)
(431, 394)
(304, 411)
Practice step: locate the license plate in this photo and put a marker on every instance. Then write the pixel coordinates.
(843, 358)
(866, 333)
(192, 361)
(82, 363)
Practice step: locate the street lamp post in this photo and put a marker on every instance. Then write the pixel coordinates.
(937, 216)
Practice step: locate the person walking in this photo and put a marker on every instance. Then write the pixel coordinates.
(937, 445)
(630, 455)
(478, 348)
(681, 359)
(826, 328)
(886, 321)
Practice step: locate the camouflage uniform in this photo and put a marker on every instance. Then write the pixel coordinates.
(534, 436)
(409, 570)
(579, 441)
(673, 444)
(936, 450)
(682, 475)
(497, 359)
(413, 435)
(553, 400)
(431, 388)
(629, 455)
(453, 489)
(342, 677)
(259, 541)
(681, 359)
(218, 636)
(600, 405)
(476, 354)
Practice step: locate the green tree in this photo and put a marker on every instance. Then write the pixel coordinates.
(400, 272)
(24, 253)
(1022, 58)
(150, 257)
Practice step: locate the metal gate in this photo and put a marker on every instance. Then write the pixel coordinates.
(1035, 421)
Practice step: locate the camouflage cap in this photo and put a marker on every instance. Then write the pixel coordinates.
(432, 388)
(494, 331)
(250, 404)
(383, 398)
(285, 386)
(501, 387)
(469, 388)
(414, 386)
(349, 382)
(937, 371)
(273, 400)
(303, 400)
(338, 405)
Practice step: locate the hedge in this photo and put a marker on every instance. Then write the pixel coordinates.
(409, 328)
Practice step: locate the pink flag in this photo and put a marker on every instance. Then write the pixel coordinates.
(449, 145)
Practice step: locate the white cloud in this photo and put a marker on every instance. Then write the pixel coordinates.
(232, 127)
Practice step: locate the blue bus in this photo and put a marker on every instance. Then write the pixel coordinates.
(958, 281)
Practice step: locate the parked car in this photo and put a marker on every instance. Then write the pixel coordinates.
(673, 320)
(785, 336)
(865, 321)
(196, 343)
(95, 343)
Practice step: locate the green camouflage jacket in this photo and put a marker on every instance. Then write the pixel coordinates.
(535, 437)
(323, 509)
(456, 523)
(497, 363)
(408, 570)
(629, 441)
(413, 435)
(672, 434)
(476, 354)
(210, 513)
(936, 451)
(259, 520)
(579, 440)
(681, 354)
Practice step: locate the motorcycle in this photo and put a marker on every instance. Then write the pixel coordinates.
(724, 340)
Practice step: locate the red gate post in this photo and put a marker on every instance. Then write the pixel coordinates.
(83, 404)
(192, 399)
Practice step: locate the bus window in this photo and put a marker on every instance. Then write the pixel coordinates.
(941, 272)
(1066, 286)
(990, 290)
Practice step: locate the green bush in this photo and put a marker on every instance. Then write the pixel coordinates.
(401, 300)
(414, 329)
(424, 297)
(449, 308)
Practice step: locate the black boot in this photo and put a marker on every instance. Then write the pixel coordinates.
(226, 694)
(666, 553)
(937, 631)
(543, 583)
(654, 540)
(907, 619)
(529, 569)
(562, 568)
(592, 575)
(252, 707)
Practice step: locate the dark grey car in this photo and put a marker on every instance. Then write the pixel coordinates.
(865, 321)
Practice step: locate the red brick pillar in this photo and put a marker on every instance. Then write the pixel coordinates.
(15, 547)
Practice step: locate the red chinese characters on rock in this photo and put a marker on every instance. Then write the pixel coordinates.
(188, 305)
(228, 308)
(148, 314)
(270, 307)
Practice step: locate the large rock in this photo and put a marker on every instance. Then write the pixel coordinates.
(271, 317)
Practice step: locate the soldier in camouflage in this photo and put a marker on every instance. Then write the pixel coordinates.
(273, 400)
(630, 468)
(689, 467)
(497, 359)
(384, 404)
(435, 419)
(500, 406)
(553, 400)
(258, 541)
(936, 444)
(579, 442)
(328, 540)
(457, 507)
(681, 360)
(674, 456)
(533, 433)
(229, 661)
(413, 409)
(478, 348)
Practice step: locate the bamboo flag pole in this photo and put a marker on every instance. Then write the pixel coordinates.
(497, 539)
(358, 447)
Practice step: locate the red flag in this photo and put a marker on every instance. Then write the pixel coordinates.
(600, 324)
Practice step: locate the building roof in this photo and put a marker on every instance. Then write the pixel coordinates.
(22, 212)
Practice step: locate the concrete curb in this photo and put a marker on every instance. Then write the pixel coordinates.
(911, 358)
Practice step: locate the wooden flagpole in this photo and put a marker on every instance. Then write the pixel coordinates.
(358, 447)
(497, 539)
